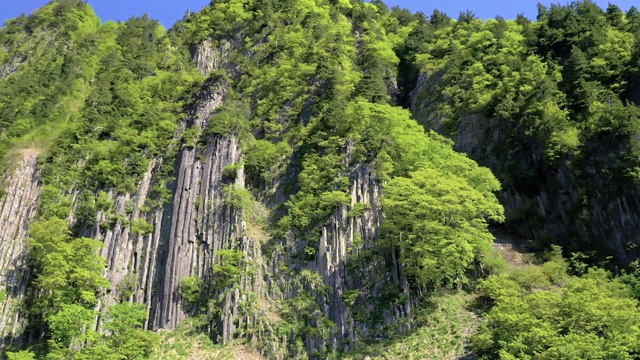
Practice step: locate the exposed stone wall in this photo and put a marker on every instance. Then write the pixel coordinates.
(17, 208)
(189, 231)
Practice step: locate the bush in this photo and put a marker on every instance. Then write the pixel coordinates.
(141, 227)
(531, 277)
(231, 171)
(21, 355)
(358, 209)
(128, 285)
(191, 289)
(103, 201)
(237, 196)
(232, 119)
(350, 296)
(190, 137)
(228, 270)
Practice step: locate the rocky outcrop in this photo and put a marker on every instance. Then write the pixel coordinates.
(136, 265)
(148, 267)
(209, 58)
(187, 233)
(200, 225)
(11, 66)
(17, 208)
(341, 241)
(574, 200)
(355, 267)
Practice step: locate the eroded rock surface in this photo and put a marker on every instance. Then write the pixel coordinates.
(18, 207)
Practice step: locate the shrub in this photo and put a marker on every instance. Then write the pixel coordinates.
(237, 196)
(191, 289)
(358, 209)
(141, 227)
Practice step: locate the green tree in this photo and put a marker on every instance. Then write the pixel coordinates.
(128, 338)
(438, 225)
(592, 317)
(21, 355)
(69, 271)
(72, 325)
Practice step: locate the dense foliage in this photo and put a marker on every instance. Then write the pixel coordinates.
(555, 96)
(540, 312)
(100, 100)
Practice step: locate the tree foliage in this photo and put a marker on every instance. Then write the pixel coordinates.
(554, 315)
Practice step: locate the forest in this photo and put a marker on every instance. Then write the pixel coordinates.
(320, 179)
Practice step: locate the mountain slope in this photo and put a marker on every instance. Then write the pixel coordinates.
(245, 177)
(551, 107)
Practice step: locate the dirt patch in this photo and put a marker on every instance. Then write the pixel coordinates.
(30, 152)
(514, 249)
(246, 354)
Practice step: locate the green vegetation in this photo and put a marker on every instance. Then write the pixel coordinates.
(559, 95)
(188, 342)
(236, 196)
(99, 100)
(69, 270)
(141, 227)
(191, 289)
(73, 335)
(229, 268)
(21, 355)
(128, 285)
(442, 328)
(540, 311)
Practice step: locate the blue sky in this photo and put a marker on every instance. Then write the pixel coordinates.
(168, 11)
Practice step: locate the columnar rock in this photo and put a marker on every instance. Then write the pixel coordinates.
(200, 224)
(18, 207)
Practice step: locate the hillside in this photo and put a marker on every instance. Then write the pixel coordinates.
(316, 179)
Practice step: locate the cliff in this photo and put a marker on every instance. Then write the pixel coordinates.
(19, 206)
(248, 178)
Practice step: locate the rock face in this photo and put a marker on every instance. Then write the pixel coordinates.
(17, 208)
(342, 240)
(148, 267)
(151, 247)
(198, 222)
(188, 231)
(10, 67)
(200, 225)
(352, 265)
(207, 58)
(585, 209)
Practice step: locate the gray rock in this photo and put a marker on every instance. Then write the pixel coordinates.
(17, 208)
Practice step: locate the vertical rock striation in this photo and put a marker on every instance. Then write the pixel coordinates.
(17, 208)
(147, 268)
(200, 224)
(341, 240)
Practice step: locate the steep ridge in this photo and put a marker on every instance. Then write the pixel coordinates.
(181, 233)
(553, 205)
(186, 233)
